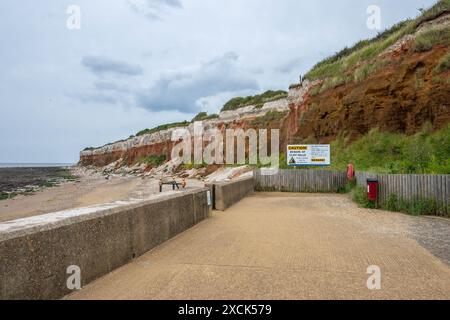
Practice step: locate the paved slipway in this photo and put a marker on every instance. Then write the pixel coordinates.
(290, 246)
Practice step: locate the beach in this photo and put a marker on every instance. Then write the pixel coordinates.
(84, 189)
(20, 179)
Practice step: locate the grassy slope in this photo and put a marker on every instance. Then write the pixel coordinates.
(383, 152)
(342, 66)
(425, 152)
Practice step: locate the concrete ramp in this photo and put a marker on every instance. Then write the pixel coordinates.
(36, 252)
(288, 246)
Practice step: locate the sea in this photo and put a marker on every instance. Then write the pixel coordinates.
(34, 165)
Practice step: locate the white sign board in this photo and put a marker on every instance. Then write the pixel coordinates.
(308, 155)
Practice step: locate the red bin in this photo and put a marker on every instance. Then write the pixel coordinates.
(372, 189)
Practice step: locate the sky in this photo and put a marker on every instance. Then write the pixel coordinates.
(136, 64)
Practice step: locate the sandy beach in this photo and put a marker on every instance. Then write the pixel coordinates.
(86, 190)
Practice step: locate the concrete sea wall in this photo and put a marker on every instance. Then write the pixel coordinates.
(225, 194)
(36, 252)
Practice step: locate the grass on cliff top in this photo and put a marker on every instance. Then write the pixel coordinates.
(365, 50)
(362, 51)
(257, 100)
(425, 152)
(204, 116)
(108, 144)
(163, 127)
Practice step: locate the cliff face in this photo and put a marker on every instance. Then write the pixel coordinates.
(129, 155)
(402, 92)
(130, 151)
(401, 97)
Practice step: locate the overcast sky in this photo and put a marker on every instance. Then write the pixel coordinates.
(135, 64)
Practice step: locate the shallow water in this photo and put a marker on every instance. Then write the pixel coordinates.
(34, 165)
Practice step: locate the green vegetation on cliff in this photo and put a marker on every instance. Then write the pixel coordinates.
(425, 152)
(153, 160)
(163, 127)
(204, 116)
(384, 152)
(428, 39)
(257, 100)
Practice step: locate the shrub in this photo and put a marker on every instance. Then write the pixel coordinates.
(414, 207)
(204, 116)
(200, 116)
(423, 207)
(189, 166)
(391, 203)
(348, 187)
(153, 160)
(359, 195)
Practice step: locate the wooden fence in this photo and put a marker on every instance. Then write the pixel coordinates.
(411, 187)
(299, 180)
(403, 186)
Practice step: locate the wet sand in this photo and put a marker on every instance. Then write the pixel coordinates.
(85, 191)
(12, 179)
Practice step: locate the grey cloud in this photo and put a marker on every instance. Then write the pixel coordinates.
(110, 87)
(181, 89)
(153, 9)
(96, 98)
(102, 65)
(105, 92)
(290, 66)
